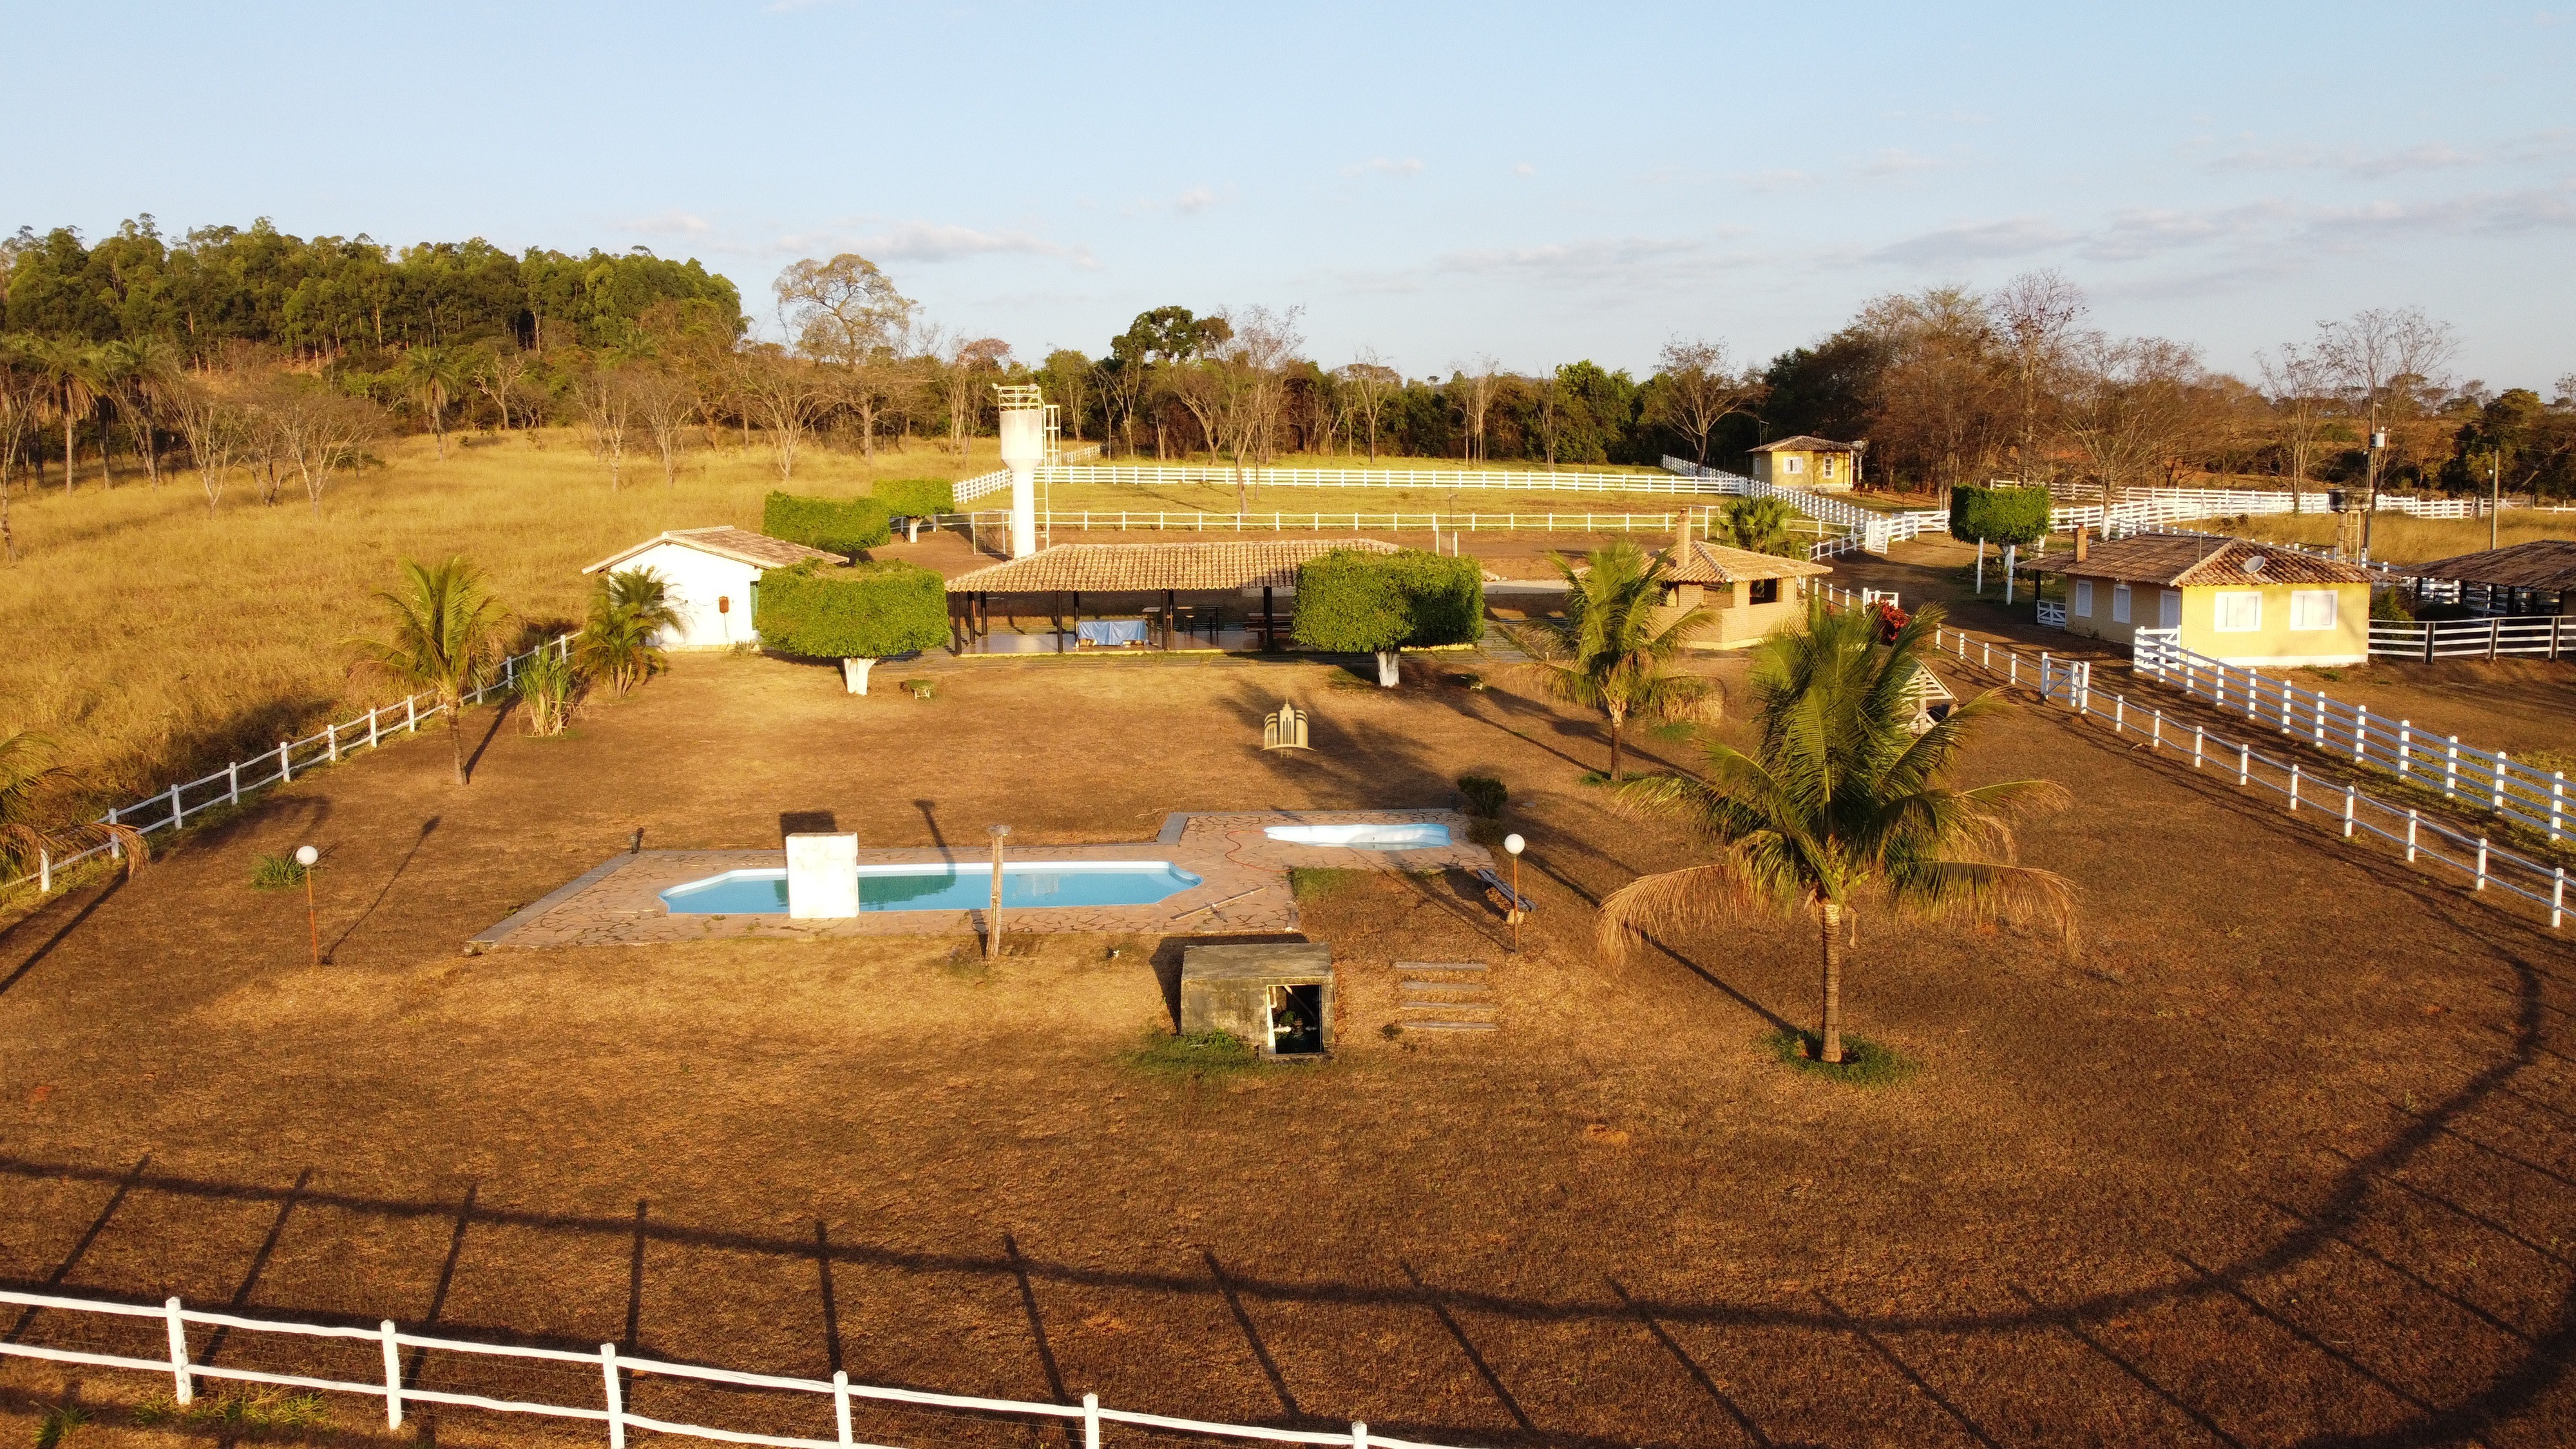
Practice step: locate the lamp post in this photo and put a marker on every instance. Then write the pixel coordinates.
(1513, 845)
(307, 857)
(993, 918)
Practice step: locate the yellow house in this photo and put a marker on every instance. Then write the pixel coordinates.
(1808, 462)
(2227, 599)
(1747, 594)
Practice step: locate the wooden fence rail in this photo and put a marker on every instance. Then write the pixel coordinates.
(617, 1374)
(170, 809)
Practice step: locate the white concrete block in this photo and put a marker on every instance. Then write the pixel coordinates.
(822, 877)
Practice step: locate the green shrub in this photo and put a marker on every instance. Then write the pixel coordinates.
(1352, 601)
(832, 525)
(916, 497)
(1998, 515)
(860, 611)
(275, 873)
(1486, 795)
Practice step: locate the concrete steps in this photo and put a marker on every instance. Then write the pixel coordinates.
(1458, 990)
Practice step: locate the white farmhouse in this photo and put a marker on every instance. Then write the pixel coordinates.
(713, 575)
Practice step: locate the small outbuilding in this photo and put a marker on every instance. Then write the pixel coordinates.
(2228, 599)
(1091, 596)
(1278, 998)
(713, 576)
(1808, 462)
(1747, 594)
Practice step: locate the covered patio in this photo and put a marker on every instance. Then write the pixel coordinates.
(1078, 598)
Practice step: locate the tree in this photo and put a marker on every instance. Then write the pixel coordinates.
(145, 373)
(1938, 403)
(1699, 389)
(1250, 371)
(2034, 320)
(1362, 601)
(629, 609)
(857, 614)
(24, 777)
(213, 428)
(842, 526)
(1998, 515)
(969, 363)
(606, 393)
(503, 374)
(77, 378)
(446, 630)
(1760, 525)
(22, 388)
(2373, 354)
(434, 376)
(1067, 374)
(1367, 381)
(2131, 411)
(1841, 803)
(1474, 387)
(322, 430)
(1612, 649)
(666, 404)
(2297, 383)
(846, 313)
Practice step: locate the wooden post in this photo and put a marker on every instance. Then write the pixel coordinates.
(371, 725)
(232, 783)
(331, 732)
(993, 919)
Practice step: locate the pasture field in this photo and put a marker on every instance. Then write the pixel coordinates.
(2399, 538)
(2279, 1152)
(153, 640)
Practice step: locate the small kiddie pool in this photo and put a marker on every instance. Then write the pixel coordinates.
(943, 887)
(1375, 836)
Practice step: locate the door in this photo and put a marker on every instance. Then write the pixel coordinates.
(1296, 1020)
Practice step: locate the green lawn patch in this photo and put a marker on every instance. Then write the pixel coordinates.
(1311, 882)
(1865, 1063)
(1193, 1056)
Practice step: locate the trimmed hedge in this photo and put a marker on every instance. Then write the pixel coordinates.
(862, 611)
(833, 525)
(1998, 515)
(1354, 602)
(916, 497)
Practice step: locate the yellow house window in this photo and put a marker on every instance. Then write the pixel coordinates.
(1792, 463)
(1826, 467)
(2237, 611)
(2312, 609)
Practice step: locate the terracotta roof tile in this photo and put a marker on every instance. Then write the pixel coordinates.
(1807, 443)
(1716, 563)
(1110, 568)
(2175, 561)
(739, 544)
(2546, 564)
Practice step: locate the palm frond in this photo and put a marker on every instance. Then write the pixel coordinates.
(1984, 891)
(1691, 898)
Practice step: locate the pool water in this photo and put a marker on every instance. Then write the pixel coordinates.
(1378, 836)
(1035, 884)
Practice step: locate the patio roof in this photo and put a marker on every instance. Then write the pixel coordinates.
(2548, 565)
(1121, 568)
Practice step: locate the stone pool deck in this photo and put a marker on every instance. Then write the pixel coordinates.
(1243, 886)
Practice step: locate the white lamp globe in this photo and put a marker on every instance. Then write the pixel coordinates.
(1514, 844)
(306, 855)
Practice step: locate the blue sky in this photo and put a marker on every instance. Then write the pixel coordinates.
(1436, 182)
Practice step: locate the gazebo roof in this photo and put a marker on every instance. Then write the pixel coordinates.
(739, 544)
(2547, 564)
(1695, 562)
(1116, 568)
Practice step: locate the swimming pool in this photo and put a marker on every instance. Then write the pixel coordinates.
(1031, 884)
(1381, 835)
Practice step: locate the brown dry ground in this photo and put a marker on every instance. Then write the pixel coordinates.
(2278, 1155)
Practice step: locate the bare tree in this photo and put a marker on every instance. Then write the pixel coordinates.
(502, 375)
(1700, 390)
(2035, 317)
(2131, 411)
(785, 395)
(22, 389)
(846, 314)
(1939, 399)
(1250, 368)
(322, 431)
(213, 427)
(967, 365)
(2374, 354)
(607, 396)
(666, 404)
(1367, 382)
(2297, 383)
(1474, 386)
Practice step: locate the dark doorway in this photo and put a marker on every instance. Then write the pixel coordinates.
(1296, 1020)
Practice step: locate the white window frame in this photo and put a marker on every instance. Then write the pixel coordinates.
(1793, 463)
(2304, 601)
(2119, 603)
(2083, 598)
(2220, 603)
(1825, 467)
(2169, 609)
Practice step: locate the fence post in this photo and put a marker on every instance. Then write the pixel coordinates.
(393, 1376)
(2043, 676)
(331, 733)
(2119, 713)
(1091, 1421)
(2195, 746)
(2412, 820)
(185, 1390)
(2557, 803)
(616, 1396)
(2156, 741)
(2405, 747)
(2320, 698)
(2294, 787)
(2012, 664)
(1359, 1435)
(411, 713)
(44, 871)
(2451, 770)
(2558, 897)
(2361, 734)
(232, 783)
(285, 764)
(2244, 764)
(2495, 781)
(841, 1404)
(177, 815)
(2350, 796)
(2482, 862)
(371, 726)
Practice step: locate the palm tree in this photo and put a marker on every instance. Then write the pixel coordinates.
(75, 374)
(1612, 648)
(1842, 801)
(23, 842)
(435, 375)
(1761, 525)
(446, 630)
(628, 608)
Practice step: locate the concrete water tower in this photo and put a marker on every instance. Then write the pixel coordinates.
(1024, 447)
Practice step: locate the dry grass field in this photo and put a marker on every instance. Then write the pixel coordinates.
(2279, 1154)
(2399, 539)
(150, 638)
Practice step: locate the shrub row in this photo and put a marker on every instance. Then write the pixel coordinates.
(862, 611)
(833, 525)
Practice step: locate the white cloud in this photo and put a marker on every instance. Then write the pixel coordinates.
(1381, 166)
(1975, 241)
(1897, 161)
(2365, 165)
(1524, 169)
(930, 242)
(1627, 263)
(669, 223)
(1782, 179)
(1194, 200)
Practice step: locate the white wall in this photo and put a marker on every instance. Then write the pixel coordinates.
(697, 580)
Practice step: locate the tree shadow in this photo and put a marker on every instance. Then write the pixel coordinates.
(427, 828)
(115, 883)
(491, 731)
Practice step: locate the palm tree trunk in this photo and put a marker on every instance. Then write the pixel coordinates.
(1829, 915)
(1614, 749)
(456, 734)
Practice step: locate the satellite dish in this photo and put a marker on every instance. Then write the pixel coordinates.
(2254, 565)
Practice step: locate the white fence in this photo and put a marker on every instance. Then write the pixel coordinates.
(1873, 530)
(2488, 780)
(1099, 520)
(2427, 842)
(1524, 480)
(171, 808)
(619, 1380)
(2542, 636)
